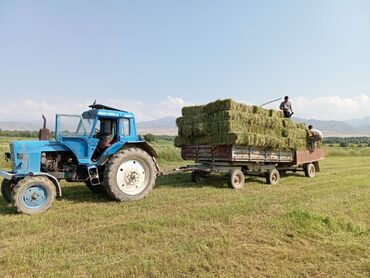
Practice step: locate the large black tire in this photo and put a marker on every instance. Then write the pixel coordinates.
(129, 175)
(236, 179)
(199, 177)
(96, 189)
(33, 194)
(310, 170)
(273, 177)
(6, 189)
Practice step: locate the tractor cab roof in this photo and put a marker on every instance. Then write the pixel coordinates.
(106, 111)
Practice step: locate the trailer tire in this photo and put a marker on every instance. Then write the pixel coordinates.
(310, 170)
(236, 179)
(33, 194)
(6, 189)
(130, 174)
(273, 177)
(199, 177)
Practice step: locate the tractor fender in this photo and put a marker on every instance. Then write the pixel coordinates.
(147, 148)
(53, 179)
(144, 146)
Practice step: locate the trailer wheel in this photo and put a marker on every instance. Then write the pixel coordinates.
(33, 194)
(199, 177)
(309, 170)
(129, 175)
(273, 177)
(236, 179)
(6, 189)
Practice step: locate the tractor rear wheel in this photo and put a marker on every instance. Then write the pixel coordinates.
(6, 189)
(33, 194)
(129, 175)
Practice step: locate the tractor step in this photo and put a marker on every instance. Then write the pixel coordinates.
(93, 175)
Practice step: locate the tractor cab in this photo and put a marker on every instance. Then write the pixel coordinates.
(94, 132)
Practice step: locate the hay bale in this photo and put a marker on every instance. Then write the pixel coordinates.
(192, 110)
(229, 122)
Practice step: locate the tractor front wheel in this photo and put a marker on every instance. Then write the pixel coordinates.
(33, 194)
(6, 189)
(129, 175)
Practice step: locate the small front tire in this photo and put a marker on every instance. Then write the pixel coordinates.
(33, 194)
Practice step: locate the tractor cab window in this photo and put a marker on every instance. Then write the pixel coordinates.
(74, 126)
(125, 127)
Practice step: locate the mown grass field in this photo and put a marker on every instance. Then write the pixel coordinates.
(300, 228)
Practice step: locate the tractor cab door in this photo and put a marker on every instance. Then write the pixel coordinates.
(76, 133)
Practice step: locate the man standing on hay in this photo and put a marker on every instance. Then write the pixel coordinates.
(286, 106)
(315, 136)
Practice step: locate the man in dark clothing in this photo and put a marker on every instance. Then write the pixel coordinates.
(286, 106)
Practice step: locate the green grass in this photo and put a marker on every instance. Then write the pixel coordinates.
(301, 228)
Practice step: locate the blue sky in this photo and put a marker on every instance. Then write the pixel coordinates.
(152, 57)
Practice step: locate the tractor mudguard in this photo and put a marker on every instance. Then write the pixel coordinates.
(144, 146)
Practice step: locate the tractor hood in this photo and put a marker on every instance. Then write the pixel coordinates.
(26, 155)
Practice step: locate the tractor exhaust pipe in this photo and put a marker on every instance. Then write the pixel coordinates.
(44, 132)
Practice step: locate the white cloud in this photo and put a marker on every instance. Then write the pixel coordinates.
(322, 108)
(29, 110)
(332, 107)
(171, 106)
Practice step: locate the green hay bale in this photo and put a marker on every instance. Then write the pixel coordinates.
(301, 125)
(192, 110)
(288, 123)
(179, 141)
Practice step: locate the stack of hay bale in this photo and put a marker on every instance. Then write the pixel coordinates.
(228, 122)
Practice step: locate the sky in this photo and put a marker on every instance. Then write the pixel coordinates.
(154, 57)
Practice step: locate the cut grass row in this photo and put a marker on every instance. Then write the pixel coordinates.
(301, 228)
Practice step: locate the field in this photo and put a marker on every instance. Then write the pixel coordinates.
(302, 227)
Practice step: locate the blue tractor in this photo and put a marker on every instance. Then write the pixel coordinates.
(100, 147)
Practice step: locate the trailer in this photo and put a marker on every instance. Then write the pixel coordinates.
(241, 161)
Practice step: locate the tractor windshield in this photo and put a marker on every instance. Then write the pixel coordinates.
(75, 126)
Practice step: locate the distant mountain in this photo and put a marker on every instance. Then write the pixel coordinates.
(162, 126)
(20, 125)
(337, 128)
(359, 122)
(167, 126)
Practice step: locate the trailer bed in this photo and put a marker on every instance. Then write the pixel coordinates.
(233, 153)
